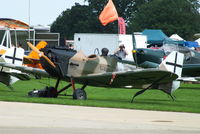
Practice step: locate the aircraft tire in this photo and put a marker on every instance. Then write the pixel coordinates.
(79, 94)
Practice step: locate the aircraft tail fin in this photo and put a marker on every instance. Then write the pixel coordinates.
(173, 63)
(14, 55)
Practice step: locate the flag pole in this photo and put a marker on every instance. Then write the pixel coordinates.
(118, 26)
(29, 20)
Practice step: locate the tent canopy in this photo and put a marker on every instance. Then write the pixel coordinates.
(157, 37)
(175, 37)
(154, 36)
(198, 40)
(191, 44)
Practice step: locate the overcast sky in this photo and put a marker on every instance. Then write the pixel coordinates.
(42, 12)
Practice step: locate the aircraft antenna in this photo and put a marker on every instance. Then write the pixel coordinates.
(134, 52)
(29, 19)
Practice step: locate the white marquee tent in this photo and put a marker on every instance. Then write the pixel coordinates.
(176, 37)
(198, 40)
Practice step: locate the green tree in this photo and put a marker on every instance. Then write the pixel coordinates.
(82, 18)
(172, 16)
(77, 19)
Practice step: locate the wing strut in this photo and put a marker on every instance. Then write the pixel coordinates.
(155, 82)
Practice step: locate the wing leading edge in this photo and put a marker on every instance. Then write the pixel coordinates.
(137, 79)
(30, 70)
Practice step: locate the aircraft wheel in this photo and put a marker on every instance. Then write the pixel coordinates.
(79, 94)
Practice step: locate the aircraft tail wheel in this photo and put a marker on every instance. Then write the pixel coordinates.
(79, 94)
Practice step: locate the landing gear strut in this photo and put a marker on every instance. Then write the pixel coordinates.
(142, 91)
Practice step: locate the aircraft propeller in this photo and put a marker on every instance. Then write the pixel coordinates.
(134, 51)
(41, 54)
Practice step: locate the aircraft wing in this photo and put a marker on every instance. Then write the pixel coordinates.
(191, 70)
(30, 70)
(11, 23)
(137, 78)
(189, 79)
(31, 62)
(28, 60)
(20, 76)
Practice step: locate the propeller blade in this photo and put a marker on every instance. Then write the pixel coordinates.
(33, 48)
(134, 52)
(48, 60)
(41, 54)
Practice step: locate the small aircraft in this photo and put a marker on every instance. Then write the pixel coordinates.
(74, 67)
(11, 53)
(9, 76)
(33, 59)
(151, 58)
(7, 24)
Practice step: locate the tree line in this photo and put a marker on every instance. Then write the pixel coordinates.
(172, 16)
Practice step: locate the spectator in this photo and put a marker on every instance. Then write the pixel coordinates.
(121, 52)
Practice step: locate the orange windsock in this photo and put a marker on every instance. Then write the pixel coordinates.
(109, 13)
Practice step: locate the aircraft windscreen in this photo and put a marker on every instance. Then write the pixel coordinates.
(168, 48)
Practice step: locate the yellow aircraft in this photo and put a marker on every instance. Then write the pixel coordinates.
(12, 53)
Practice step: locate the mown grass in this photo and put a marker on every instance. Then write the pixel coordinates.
(187, 97)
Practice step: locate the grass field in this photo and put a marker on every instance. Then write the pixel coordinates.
(187, 97)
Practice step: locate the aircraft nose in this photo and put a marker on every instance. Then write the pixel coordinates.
(140, 51)
(134, 51)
